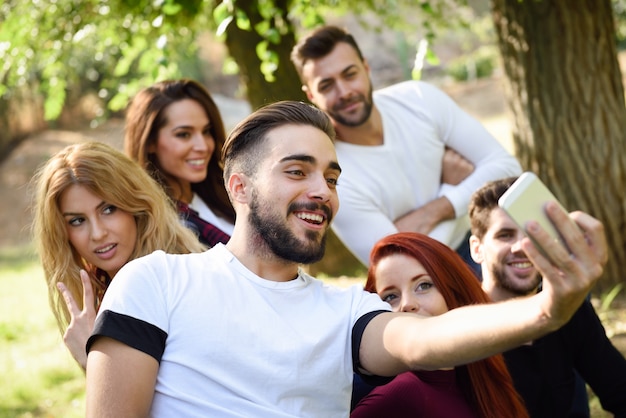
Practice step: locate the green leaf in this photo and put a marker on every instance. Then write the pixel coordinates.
(273, 36)
(170, 8)
(262, 51)
(243, 22)
(230, 67)
(222, 12)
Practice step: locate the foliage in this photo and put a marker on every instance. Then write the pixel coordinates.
(477, 64)
(112, 47)
(115, 47)
(619, 10)
(606, 313)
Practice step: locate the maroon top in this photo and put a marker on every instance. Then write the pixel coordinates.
(207, 233)
(432, 394)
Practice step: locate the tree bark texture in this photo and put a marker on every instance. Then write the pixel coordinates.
(565, 91)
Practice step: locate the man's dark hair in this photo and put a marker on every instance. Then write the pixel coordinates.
(483, 201)
(320, 43)
(243, 149)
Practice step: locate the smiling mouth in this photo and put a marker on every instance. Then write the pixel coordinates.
(105, 249)
(197, 163)
(522, 264)
(348, 105)
(313, 218)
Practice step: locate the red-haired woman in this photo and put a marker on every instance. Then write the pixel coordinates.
(415, 273)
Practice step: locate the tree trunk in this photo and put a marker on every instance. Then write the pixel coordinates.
(565, 91)
(242, 47)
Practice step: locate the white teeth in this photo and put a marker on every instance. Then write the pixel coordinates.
(310, 217)
(105, 249)
(521, 265)
(196, 162)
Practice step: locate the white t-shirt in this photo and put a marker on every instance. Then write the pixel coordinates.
(208, 215)
(379, 184)
(235, 344)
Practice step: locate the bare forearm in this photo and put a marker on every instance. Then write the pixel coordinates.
(460, 336)
(425, 218)
(471, 333)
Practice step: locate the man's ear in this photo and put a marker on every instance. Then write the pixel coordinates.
(239, 187)
(476, 249)
(307, 91)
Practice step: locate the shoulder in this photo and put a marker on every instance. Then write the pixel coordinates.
(161, 258)
(418, 89)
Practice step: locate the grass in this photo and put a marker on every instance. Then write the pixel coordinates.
(39, 377)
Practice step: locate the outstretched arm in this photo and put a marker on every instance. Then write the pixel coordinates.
(81, 322)
(120, 380)
(395, 342)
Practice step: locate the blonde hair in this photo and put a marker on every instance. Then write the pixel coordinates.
(111, 175)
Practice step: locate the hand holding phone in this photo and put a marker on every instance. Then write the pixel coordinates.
(525, 201)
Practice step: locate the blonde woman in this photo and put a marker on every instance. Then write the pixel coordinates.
(96, 209)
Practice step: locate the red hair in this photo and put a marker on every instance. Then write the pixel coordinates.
(486, 383)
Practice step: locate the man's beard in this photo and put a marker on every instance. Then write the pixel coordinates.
(281, 241)
(335, 112)
(517, 287)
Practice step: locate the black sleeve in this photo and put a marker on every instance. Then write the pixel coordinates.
(357, 336)
(597, 360)
(133, 332)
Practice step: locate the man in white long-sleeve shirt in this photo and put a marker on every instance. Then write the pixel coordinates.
(391, 145)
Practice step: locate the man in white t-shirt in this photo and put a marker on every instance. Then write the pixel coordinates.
(391, 145)
(241, 331)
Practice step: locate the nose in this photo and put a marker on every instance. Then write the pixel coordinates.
(409, 304)
(343, 89)
(98, 230)
(517, 246)
(320, 190)
(203, 142)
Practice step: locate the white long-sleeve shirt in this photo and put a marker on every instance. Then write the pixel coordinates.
(379, 184)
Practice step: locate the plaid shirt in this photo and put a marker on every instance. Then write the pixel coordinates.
(207, 233)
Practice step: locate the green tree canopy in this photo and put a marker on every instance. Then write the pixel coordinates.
(114, 47)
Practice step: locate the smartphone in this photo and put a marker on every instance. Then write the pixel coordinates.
(525, 200)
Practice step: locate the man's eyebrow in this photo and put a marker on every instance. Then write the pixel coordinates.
(309, 159)
(335, 166)
(299, 157)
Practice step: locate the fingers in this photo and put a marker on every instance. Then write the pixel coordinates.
(88, 298)
(454, 167)
(586, 244)
(72, 307)
(554, 256)
(594, 233)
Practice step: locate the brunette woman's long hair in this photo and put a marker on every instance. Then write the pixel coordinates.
(487, 384)
(145, 116)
